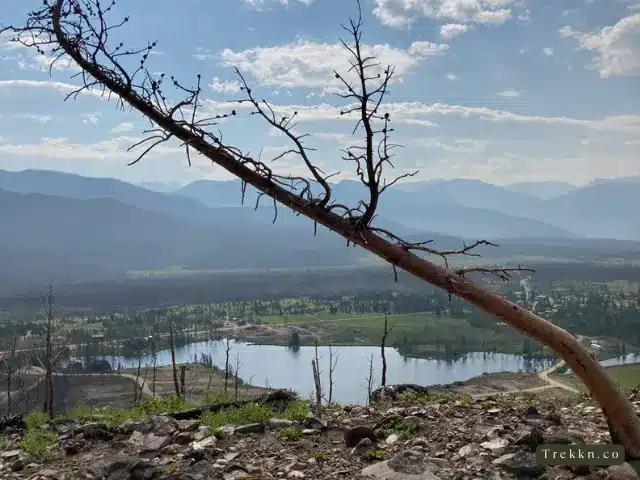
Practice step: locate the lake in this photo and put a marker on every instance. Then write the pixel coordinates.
(281, 367)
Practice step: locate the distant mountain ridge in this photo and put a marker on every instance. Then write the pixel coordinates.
(77, 228)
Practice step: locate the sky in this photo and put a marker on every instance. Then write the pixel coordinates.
(502, 91)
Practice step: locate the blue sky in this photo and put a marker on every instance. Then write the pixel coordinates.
(498, 90)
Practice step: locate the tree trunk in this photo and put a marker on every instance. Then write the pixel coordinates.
(614, 405)
(183, 380)
(50, 391)
(318, 387)
(173, 360)
(383, 342)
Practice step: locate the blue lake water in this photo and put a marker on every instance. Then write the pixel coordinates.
(281, 367)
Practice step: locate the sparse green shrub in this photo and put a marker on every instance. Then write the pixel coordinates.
(217, 398)
(112, 417)
(416, 398)
(403, 428)
(296, 411)
(465, 399)
(42, 444)
(371, 455)
(236, 416)
(36, 419)
(290, 434)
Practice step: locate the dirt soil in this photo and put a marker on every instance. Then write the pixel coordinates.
(492, 383)
(198, 380)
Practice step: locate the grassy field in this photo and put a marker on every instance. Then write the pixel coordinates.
(625, 377)
(368, 328)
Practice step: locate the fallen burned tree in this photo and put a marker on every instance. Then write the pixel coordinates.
(78, 31)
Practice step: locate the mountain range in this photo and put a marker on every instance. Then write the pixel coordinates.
(74, 228)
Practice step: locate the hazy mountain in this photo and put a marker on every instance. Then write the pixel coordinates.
(59, 237)
(218, 193)
(160, 187)
(48, 182)
(605, 209)
(76, 228)
(541, 190)
(464, 207)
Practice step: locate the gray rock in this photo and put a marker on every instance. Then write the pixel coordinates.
(314, 422)
(391, 439)
(363, 447)
(11, 455)
(227, 430)
(188, 425)
(250, 428)
(159, 425)
(468, 450)
(96, 431)
(497, 445)
(128, 427)
(201, 470)
(622, 472)
(148, 442)
(408, 465)
(278, 423)
(182, 438)
(564, 438)
(202, 433)
(531, 411)
(554, 417)
(353, 435)
(522, 464)
(205, 444)
(121, 466)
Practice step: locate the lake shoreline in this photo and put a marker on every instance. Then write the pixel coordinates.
(271, 365)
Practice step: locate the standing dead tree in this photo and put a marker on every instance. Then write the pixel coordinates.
(80, 30)
(52, 353)
(236, 377)
(315, 369)
(227, 366)
(137, 392)
(369, 379)
(333, 361)
(12, 367)
(383, 345)
(174, 367)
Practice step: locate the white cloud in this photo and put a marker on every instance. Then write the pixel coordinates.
(417, 113)
(37, 118)
(460, 145)
(402, 13)
(451, 30)
(27, 57)
(123, 127)
(508, 93)
(61, 87)
(262, 3)
(617, 46)
(451, 76)
(312, 65)
(114, 149)
(223, 86)
(525, 15)
(90, 118)
(548, 51)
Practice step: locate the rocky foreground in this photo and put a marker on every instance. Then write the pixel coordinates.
(411, 438)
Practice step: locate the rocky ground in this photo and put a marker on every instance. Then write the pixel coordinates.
(409, 438)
